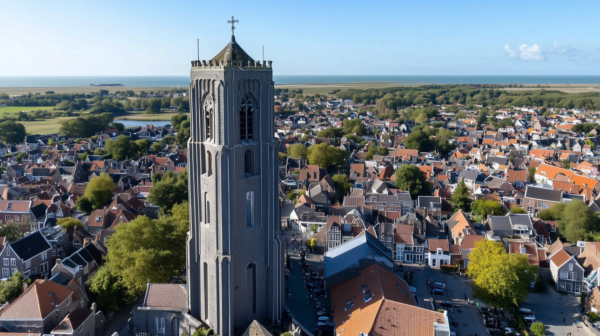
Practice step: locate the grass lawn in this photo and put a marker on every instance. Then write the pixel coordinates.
(147, 117)
(14, 109)
(44, 126)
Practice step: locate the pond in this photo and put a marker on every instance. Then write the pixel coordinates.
(143, 123)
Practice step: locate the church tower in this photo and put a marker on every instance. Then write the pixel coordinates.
(235, 254)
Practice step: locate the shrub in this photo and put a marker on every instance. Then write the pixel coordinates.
(593, 316)
(449, 268)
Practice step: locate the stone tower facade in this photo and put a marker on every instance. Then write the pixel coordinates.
(235, 254)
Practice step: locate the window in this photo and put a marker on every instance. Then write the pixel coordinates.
(368, 296)
(570, 266)
(251, 281)
(570, 276)
(529, 209)
(5, 273)
(53, 252)
(27, 264)
(539, 204)
(5, 261)
(160, 325)
(44, 255)
(205, 291)
(14, 270)
(8, 252)
(246, 118)
(7, 217)
(44, 267)
(207, 213)
(440, 251)
(248, 162)
(209, 162)
(13, 262)
(17, 218)
(208, 117)
(250, 208)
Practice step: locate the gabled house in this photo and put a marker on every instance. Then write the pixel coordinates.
(80, 265)
(30, 255)
(51, 303)
(567, 273)
(437, 252)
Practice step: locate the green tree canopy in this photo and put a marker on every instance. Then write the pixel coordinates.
(483, 208)
(499, 279)
(576, 221)
(517, 210)
(69, 223)
(99, 190)
(461, 198)
(12, 132)
(331, 132)
(419, 141)
(107, 291)
(342, 186)
(148, 250)
(122, 148)
(13, 287)
(410, 178)
(297, 151)
(170, 190)
(326, 156)
(86, 126)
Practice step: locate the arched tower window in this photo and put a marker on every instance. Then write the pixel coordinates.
(251, 281)
(209, 107)
(246, 118)
(250, 209)
(209, 162)
(248, 160)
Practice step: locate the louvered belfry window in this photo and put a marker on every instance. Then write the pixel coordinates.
(246, 115)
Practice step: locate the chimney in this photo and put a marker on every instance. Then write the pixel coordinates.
(25, 286)
(58, 261)
(87, 241)
(93, 307)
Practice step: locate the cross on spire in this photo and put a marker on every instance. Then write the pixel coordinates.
(233, 22)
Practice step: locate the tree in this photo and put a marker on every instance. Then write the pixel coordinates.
(419, 141)
(410, 178)
(311, 244)
(297, 151)
(86, 126)
(143, 145)
(331, 132)
(107, 291)
(552, 213)
(326, 156)
(84, 204)
(566, 164)
(461, 198)
(444, 147)
(12, 132)
(11, 231)
(532, 174)
(483, 208)
(179, 118)
(156, 147)
(183, 134)
(499, 279)
(517, 210)
(537, 329)
(577, 221)
(342, 186)
(69, 223)
(154, 105)
(121, 148)
(82, 156)
(13, 287)
(99, 190)
(148, 250)
(169, 191)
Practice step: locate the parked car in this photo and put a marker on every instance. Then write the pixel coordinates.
(511, 331)
(324, 319)
(324, 324)
(319, 291)
(436, 291)
(321, 312)
(445, 303)
(525, 311)
(529, 319)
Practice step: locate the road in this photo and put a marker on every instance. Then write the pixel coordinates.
(298, 303)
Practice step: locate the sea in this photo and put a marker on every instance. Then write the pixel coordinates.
(183, 81)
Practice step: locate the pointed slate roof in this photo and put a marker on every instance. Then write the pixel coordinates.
(233, 52)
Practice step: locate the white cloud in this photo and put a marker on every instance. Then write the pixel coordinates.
(558, 48)
(526, 53)
(511, 53)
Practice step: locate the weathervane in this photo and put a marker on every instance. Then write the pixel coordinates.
(233, 22)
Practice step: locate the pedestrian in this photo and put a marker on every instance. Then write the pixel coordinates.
(564, 319)
(465, 296)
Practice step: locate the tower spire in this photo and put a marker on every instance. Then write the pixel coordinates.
(233, 22)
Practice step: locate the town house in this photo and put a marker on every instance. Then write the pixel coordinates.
(30, 255)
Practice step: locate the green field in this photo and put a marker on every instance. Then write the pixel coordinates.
(52, 125)
(14, 109)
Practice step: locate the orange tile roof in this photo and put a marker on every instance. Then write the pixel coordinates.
(37, 302)
(434, 243)
(463, 223)
(20, 206)
(381, 284)
(167, 296)
(560, 258)
(552, 171)
(397, 319)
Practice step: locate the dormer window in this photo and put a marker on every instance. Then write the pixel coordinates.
(440, 251)
(98, 218)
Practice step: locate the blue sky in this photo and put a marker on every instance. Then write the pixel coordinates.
(331, 37)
